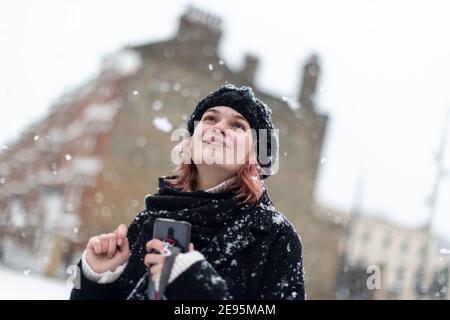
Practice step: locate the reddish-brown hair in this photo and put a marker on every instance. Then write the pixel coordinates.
(248, 184)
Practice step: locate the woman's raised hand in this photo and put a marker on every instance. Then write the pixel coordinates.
(108, 251)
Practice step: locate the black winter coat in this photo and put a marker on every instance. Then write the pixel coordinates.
(252, 252)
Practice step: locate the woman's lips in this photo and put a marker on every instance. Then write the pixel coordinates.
(213, 140)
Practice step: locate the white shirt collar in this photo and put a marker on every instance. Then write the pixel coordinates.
(221, 186)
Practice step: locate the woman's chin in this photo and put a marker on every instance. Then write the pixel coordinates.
(213, 159)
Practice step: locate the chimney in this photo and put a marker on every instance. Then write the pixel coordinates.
(250, 67)
(199, 25)
(308, 87)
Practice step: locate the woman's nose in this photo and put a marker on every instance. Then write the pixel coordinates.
(220, 126)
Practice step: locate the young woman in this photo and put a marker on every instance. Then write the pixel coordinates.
(242, 247)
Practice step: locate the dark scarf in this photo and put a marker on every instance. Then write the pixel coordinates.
(207, 212)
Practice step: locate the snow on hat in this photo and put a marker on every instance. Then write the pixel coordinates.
(258, 115)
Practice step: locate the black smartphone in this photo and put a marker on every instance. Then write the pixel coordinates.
(178, 233)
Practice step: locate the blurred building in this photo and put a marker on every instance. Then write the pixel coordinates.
(87, 165)
(411, 264)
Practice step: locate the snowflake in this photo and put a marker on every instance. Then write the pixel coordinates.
(163, 124)
(230, 246)
(278, 219)
(157, 105)
(216, 279)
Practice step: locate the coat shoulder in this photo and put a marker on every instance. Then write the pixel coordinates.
(139, 220)
(269, 219)
(137, 225)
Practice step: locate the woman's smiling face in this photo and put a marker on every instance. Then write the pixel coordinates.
(222, 137)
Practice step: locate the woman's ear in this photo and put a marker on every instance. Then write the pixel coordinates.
(253, 159)
(185, 152)
(181, 152)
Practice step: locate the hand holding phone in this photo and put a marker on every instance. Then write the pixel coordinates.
(167, 233)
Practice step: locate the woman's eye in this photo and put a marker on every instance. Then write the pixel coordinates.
(238, 125)
(209, 118)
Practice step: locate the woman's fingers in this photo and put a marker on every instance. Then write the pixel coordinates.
(153, 258)
(154, 244)
(124, 248)
(95, 244)
(104, 242)
(108, 243)
(156, 268)
(121, 233)
(90, 244)
(111, 245)
(191, 246)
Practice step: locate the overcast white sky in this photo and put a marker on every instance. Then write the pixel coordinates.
(385, 78)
